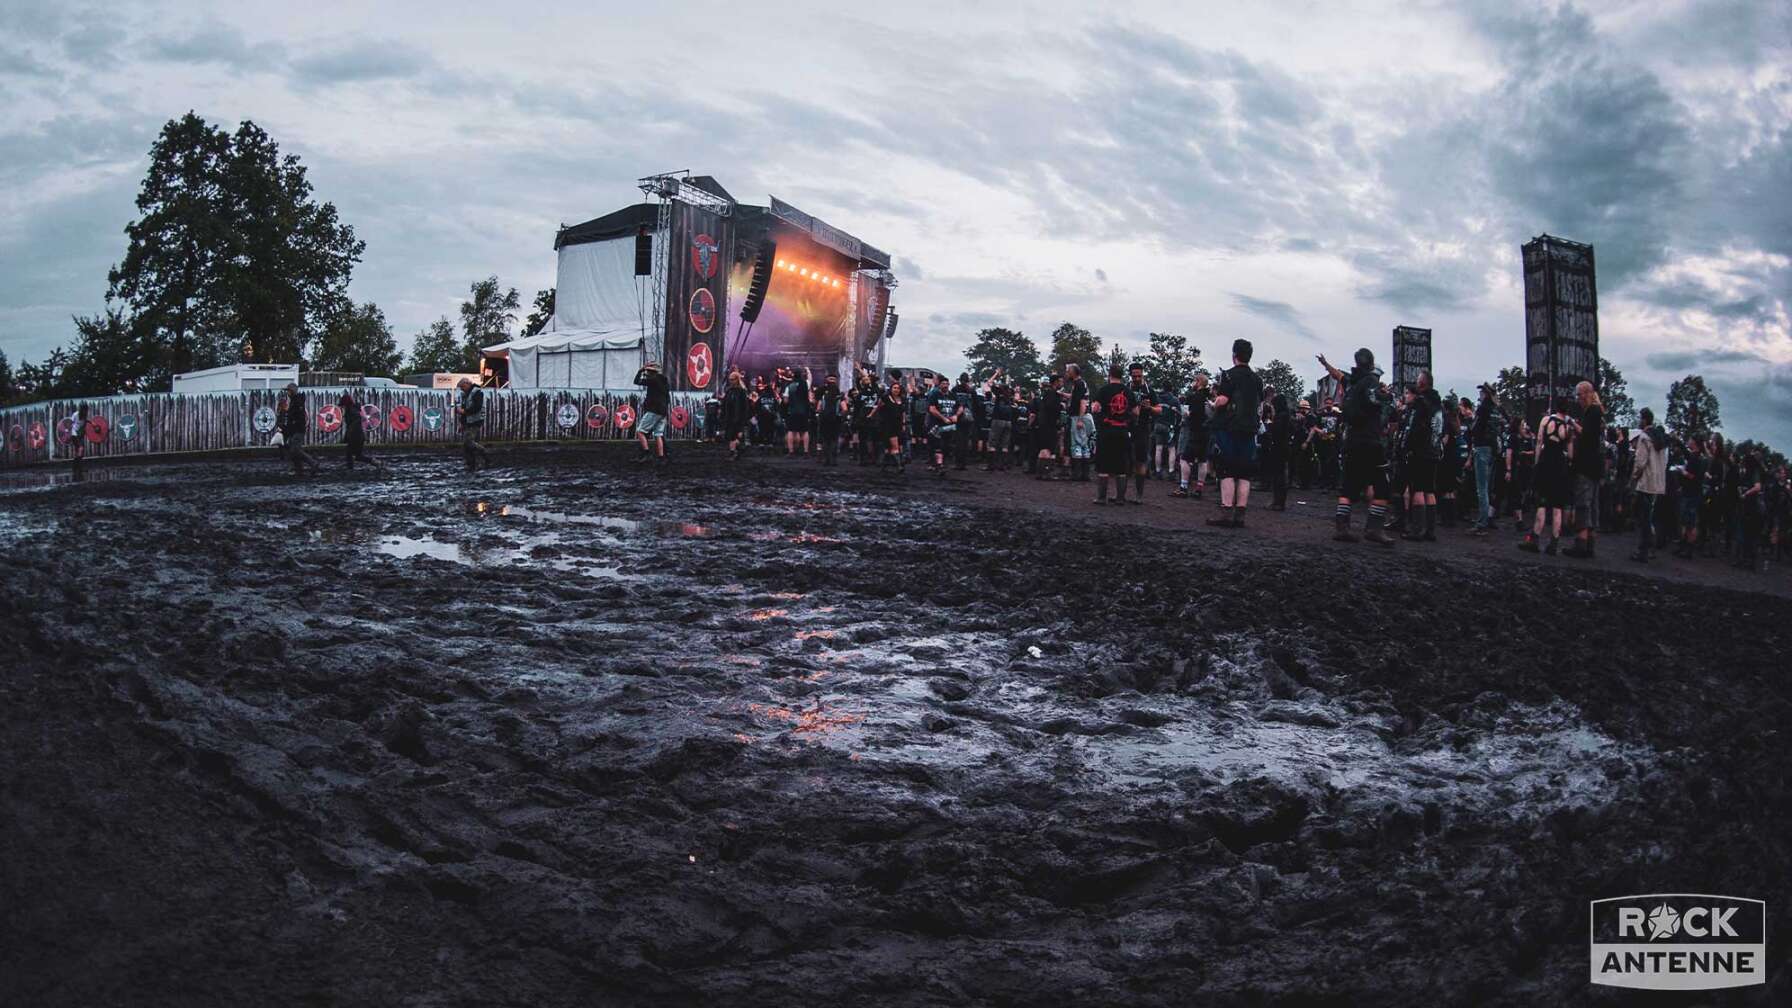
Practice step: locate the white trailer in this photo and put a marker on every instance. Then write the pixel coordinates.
(237, 377)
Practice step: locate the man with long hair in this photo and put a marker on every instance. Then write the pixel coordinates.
(1589, 469)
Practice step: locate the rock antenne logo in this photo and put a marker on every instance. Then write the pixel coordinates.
(1678, 941)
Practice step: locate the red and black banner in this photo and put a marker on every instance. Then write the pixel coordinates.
(696, 297)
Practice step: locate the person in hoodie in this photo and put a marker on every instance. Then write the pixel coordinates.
(1648, 478)
(1365, 472)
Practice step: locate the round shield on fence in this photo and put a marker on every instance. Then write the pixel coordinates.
(370, 416)
(596, 416)
(625, 416)
(329, 418)
(679, 417)
(699, 366)
(432, 418)
(15, 438)
(66, 428)
(400, 418)
(127, 426)
(567, 416)
(35, 435)
(97, 429)
(264, 419)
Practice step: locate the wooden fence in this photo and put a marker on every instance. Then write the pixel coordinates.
(160, 423)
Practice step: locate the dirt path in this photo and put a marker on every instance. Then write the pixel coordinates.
(576, 733)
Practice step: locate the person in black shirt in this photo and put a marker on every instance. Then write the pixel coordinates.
(1046, 411)
(1484, 443)
(1116, 411)
(471, 411)
(354, 433)
(765, 412)
(292, 420)
(799, 411)
(1023, 420)
(942, 422)
(1423, 425)
(1689, 480)
(828, 406)
(891, 417)
(1193, 450)
(1281, 436)
(1141, 429)
(1589, 469)
(966, 436)
(655, 406)
(1001, 428)
(736, 407)
(1080, 428)
(1235, 442)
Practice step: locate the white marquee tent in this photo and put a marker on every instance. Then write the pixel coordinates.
(572, 359)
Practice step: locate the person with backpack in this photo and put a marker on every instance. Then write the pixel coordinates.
(471, 412)
(1365, 472)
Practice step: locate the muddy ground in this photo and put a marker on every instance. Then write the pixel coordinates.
(571, 734)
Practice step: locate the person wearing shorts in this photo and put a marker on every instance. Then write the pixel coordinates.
(1192, 451)
(1081, 424)
(1236, 402)
(1118, 410)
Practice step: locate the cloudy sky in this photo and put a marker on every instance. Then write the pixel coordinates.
(1304, 174)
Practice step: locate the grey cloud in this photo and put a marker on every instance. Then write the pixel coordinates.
(94, 44)
(21, 63)
(908, 269)
(1690, 361)
(213, 42)
(968, 320)
(359, 60)
(1281, 313)
(1101, 275)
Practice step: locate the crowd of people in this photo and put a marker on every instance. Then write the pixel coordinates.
(1414, 459)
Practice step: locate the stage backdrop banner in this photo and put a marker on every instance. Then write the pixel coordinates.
(697, 273)
(1561, 321)
(1412, 354)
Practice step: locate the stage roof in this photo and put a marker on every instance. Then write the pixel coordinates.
(624, 222)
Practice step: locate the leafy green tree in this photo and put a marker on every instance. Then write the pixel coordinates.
(485, 318)
(1614, 392)
(1278, 376)
(1692, 408)
(230, 250)
(42, 381)
(357, 338)
(1509, 389)
(1006, 349)
(1117, 356)
(9, 390)
(436, 349)
(541, 314)
(109, 357)
(1072, 344)
(1171, 362)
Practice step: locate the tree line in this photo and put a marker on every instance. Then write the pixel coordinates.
(1170, 360)
(232, 258)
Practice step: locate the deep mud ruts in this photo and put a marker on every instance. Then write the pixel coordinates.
(572, 734)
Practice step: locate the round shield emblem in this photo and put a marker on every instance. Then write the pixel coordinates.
(625, 415)
(97, 429)
(35, 435)
(400, 418)
(567, 416)
(703, 310)
(705, 255)
(264, 419)
(66, 428)
(596, 416)
(329, 418)
(432, 418)
(679, 417)
(127, 426)
(370, 416)
(15, 438)
(699, 366)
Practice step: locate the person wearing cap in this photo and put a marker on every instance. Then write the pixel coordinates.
(1365, 465)
(655, 405)
(1235, 403)
(471, 411)
(293, 421)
